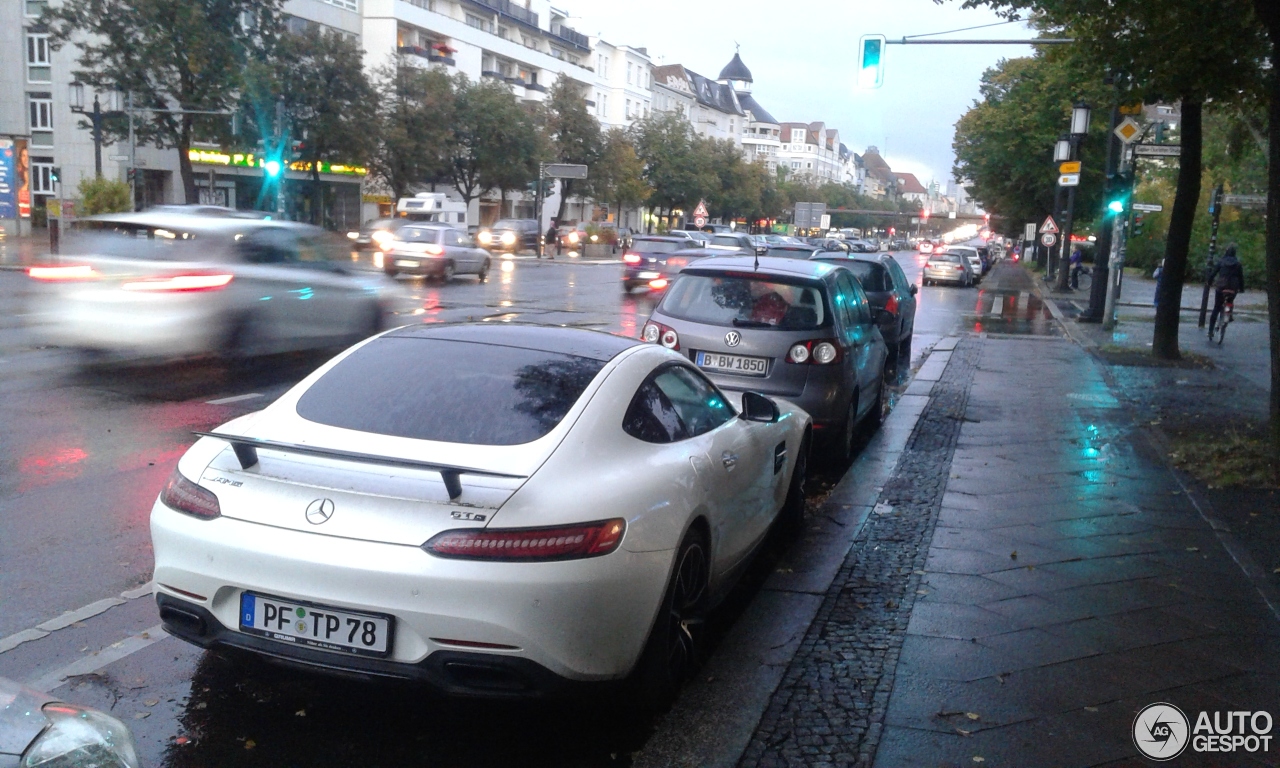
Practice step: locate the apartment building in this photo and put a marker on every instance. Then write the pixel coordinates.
(761, 133)
(711, 107)
(623, 91)
(811, 150)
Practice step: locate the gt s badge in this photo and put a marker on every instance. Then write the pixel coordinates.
(469, 516)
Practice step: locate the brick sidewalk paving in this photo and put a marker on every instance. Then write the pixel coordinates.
(1036, 577)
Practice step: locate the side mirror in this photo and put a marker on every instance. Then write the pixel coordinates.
(757, 407)
(914, 289)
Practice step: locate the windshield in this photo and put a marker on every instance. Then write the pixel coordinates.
(508, 224)
(747, 301)
(139, 241)
(655, 246)
(419, 234)
(449, 391)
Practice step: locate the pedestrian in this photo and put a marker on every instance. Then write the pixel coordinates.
(552, 240)
(1157, 274)
(1227, 277)
(1077, 266)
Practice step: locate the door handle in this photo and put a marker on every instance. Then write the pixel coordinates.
(730, 460)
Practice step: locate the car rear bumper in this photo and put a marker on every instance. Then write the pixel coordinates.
(947, 275)
(580, 620)
(414, 265)
(176, 325)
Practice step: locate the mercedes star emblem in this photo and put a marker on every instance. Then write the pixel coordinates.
(319, 511)
(733, 338)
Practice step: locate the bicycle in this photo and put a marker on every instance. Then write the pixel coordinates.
(1228, 314)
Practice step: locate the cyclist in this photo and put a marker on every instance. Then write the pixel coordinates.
(1228, 280)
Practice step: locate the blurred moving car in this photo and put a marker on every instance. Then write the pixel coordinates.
(801, 330)
(564, 510)
(925, 246)
(37, 729)
(209, 210)
(434, 250)
(162, 285)
(892, 296)
(648, 262)
(946, 267)
(698, 236)
(375, 232)
(510, 235)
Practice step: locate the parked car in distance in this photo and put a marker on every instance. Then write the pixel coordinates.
(890, 293)
(143, 286)
(375, 232)
(801, 251)
(971, 258)
(510, 235)
(717, 229)
(645, 263)
(797, 329)
(925, 246)
(699, 237)
(773, 240)
(37, 729)
(739, 241)
(490, 510)
(436, 251)
(946, 267)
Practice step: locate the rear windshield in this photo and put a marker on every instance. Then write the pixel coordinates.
(744, 301)
(948, 257)
(419, 234)
(449, 391)
(791, 252)
(139, 241)
(655, 246)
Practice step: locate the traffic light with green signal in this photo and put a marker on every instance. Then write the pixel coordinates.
(1118, 203)
(273, 168)
(871, 61)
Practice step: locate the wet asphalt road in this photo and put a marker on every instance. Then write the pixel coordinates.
(83, 455)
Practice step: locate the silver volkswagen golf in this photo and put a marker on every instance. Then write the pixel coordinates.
(799, 330)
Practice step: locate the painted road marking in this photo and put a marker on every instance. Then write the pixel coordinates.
(233, 399)
(99, 659)
(70, 617)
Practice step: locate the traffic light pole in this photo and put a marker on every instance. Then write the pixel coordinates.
(1102, 257)
(1115, 261)
(537, 208)
(1215, 208)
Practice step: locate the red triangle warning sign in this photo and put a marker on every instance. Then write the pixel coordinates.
(701, 210)
(1049, 227)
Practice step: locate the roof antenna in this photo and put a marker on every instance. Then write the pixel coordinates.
(736, 48)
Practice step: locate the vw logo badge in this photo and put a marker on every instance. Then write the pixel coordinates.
(733, 338)
(319, 511)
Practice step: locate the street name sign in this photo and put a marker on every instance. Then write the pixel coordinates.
(1048, 239)
(1049, 227)
(1071, 167)
(1148, 207)
(1069, 180)
(1245, 201)
(564, 171)
(1128, 130)
(1158, 150)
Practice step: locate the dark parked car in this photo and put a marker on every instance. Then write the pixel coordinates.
(793, 251)
(800, 330)
(889, 290)
(435, 250)
(510, 235)
(646, 262)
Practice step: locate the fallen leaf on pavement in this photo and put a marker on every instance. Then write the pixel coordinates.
(1090, 709)
(979, 759)
(140, 715)
(300, 713)
(1193, 549)
(250, 744)
(151, 702)
(1013, 555)
(963, 732)
(972, 715)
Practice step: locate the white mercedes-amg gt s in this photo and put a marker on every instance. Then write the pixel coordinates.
(494, 510)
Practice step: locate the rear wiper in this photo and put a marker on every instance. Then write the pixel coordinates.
(737, 323)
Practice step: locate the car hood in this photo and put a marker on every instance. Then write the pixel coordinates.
(21, 719)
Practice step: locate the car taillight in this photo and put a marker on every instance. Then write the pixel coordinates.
(657, 333)
(523, 544)
(631, 258)
(180, 283)
(815, 352)
(892, 304)
(185, 496)
(69, 273)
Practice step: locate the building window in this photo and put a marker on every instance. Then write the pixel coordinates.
(36, 7)
(504, 33)
(477, 22)
(38, 69)
(797, 135)
(604, 102)
(629, 73)
(42, 179)
(628, 110)
(352, 5)
(41, 111)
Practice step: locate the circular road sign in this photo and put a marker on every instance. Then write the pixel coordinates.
(699, 221)
(1048, 238)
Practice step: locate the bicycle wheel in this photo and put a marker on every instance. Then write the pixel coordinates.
(1221, 332)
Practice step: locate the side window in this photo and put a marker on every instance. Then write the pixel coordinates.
(846, 301)
(899, 277)
(861, 305)
(700, 406)
(321, 249)
(454, 237)
(269, 246)
(651, 417)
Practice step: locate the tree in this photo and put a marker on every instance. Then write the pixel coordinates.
(328, 102)
(414, 118)
(1268, 14)
(1178, 50)
(666, 144)
(574, 133)
(618, 175)
(478, 143)
(738, 187)
(172, 55)
(518, 147)
(1004, 144)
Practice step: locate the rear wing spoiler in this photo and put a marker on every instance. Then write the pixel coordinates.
(246, 450)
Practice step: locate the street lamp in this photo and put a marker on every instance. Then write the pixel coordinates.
(1080, 118)
(1062, 149)
(75, 95)
(1080, 113)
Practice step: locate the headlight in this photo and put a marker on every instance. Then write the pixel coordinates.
(78, 737)
(381, 236)
(485, 237)
(378, 260)
(353, 235)
(508, 238)
(573, 237)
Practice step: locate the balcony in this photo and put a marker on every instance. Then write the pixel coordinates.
(510, 10)
(435, 54)
(571, 36)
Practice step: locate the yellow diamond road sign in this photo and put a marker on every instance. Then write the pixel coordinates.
(1128, 130)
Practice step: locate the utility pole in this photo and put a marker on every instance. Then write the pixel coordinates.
(537, 207)
(133, 157)
(1116, 259)
(1215, 209)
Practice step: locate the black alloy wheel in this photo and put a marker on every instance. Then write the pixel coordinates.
(671, 653)
(791, 518)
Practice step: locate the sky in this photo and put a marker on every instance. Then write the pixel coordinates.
(803, 59)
